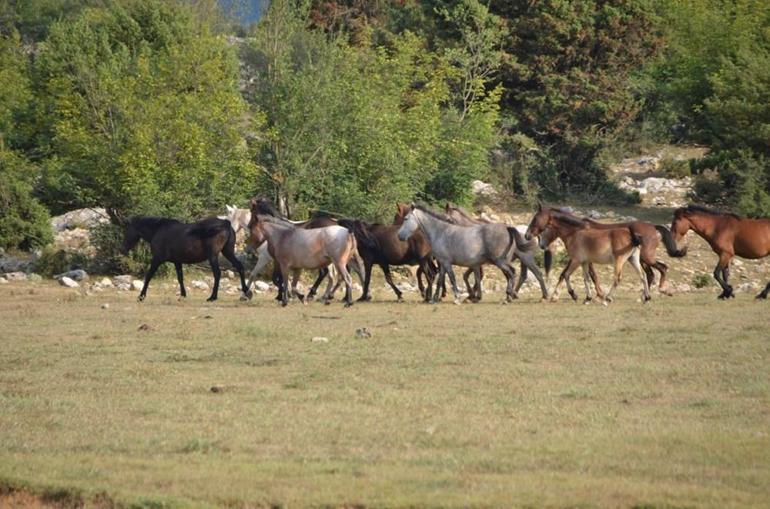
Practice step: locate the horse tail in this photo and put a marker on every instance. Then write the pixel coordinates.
(668, 241)
(363, 236)
(548, 260)
(636, 240)
(355, 257)
(519, 241)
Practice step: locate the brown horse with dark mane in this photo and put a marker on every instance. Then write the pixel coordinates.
(729, 235)
(379, 244)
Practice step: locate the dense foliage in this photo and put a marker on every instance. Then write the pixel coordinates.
(152, 106)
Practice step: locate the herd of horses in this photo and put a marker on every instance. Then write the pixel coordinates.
(435, 242)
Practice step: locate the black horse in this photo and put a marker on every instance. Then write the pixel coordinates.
(176, 242)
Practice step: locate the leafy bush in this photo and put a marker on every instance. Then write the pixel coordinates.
(702, 281)
(675, 169)
(54, 261)
(24, 221)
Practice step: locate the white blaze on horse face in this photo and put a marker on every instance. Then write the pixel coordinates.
(408, 228)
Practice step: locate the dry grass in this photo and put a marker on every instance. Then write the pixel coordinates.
(479, 405)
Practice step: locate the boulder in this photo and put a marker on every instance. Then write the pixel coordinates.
(68, 282)
(36, 278)
(106, 283)
(261, 286)
(198, 284)
(80, 218)
(3, 281)
(77, 275)
(483, 189)
(137, 284)
(125, 278)
(16, 276)
(123, 286)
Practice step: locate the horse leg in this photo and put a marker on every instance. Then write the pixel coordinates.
(322, 273)
(586, 282)
(643, 275)
(763, 293)
(618, 269)
(386, 270)
(214, 262)
(573, 264)
(595, 279)
(294, 290)
(509, 274)
(368, 279)
(278, 281)
(478, 272)
(471, 290)
(284, 292)
(154, 264)
(563, 277)
(453, 280)
(528, 259)
(663, 286)
(722, 272)
(439, 282)
(330, 286)
(180, 278)
(522, 278)
(229, 254)
(343, 272)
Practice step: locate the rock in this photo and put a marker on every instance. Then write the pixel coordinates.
(737, 263)
(106, 283)
(319, 339)
(3, 281)
(405, 287)
(483, 189)
(749, 287)
(123, 287)
(684, 288)
(105, 306)
(80, 218)
(261, 286)
(35, 278)
(595, 214)
(137, 284)
(77, 275)
(14, 265)
(125, 278)
(69, 283)
(200, 285)
(216, 389)
(363, 332)
(229, 274)
(16, 276)
(144, 327)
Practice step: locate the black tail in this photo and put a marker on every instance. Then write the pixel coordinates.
(636, 240)
(548, 261)
(668, 241)
(364, 239)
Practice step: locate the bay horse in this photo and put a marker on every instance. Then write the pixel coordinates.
(179, 243)
(296, 248)
(586, 244)
(379, 244)
(729, 235)
(470, 246)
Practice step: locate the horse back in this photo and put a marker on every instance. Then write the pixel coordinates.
(752, 238)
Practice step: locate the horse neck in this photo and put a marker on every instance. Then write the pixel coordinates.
(462, 219)
(147, 230)
(704, 226)
(430, 226)
(562, 228)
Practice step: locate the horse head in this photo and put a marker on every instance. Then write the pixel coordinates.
(410, 224)
(131, 236)
(539, 222)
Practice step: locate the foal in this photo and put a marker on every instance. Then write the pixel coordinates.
(728, 235)
(172, 241)
(586, 244)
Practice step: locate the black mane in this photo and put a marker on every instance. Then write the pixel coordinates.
(265, 207)
(151, 222)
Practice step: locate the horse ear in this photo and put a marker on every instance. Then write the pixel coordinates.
(253, 201)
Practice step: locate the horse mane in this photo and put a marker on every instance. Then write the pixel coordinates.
(277, 221)
(567, 218)
(461, 211)
(707, 210)
(436, 215)
(264, 207)
(153, 222)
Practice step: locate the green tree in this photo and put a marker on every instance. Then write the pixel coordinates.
(141, 113)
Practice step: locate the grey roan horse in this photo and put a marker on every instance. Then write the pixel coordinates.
(471, 246)
(172, 241)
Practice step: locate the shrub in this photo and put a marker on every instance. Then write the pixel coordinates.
(24, 221)
(675, 169)
(702, 281)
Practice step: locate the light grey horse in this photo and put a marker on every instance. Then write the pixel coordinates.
(471, 246)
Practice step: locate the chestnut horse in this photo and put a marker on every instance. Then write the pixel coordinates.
(728, 235)
(586, 244)
(295, 248)
(172, 241)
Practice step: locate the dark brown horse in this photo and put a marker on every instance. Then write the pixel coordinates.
(172, 241)
(728, 235)
(379, 244)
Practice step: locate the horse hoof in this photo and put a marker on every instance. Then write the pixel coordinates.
(348, 304)
(586, 302)
(141, 298)
(761, 296)
(606, 302)
(211, 299)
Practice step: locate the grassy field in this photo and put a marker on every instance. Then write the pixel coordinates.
(188, 404)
